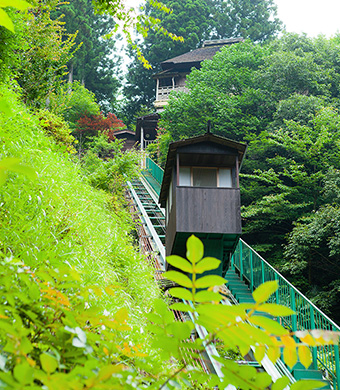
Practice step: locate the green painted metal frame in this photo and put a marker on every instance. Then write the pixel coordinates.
(255, 270)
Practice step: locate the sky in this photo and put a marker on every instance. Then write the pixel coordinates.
(310, 16)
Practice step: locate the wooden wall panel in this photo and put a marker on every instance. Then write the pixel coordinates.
(208, 210)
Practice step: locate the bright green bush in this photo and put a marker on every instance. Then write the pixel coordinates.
(59, 220)
(56, 128)
(73, 101)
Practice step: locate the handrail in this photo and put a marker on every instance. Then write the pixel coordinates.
(155, 170)
(255, 270)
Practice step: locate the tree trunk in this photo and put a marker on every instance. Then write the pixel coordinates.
(70, 78)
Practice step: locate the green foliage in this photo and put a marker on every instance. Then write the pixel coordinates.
(238, 327)
(59, 220)
(5, 19)
(73, 101)
(94, 64)
(195, 21)
(73, 301)
(43, 56)
(110, 174)
(224, 91)
(281, 97)
(55, 127)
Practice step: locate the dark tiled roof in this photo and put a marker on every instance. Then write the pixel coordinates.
(209, 49)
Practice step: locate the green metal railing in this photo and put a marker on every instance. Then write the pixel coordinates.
(155, 170)
(255, 270)
(156, 173)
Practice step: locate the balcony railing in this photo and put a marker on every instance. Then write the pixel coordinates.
(164, 92)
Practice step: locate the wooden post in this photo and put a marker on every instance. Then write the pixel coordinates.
(237, 173)
(141, 138)
(177, 169)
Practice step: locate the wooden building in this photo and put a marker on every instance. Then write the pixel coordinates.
(129, 138)
(201, 195)
(174, 71)
(146, 129)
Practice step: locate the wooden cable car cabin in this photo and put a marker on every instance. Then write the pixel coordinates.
(201, 195)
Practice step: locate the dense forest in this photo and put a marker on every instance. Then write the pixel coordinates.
(282, 98)
(79, 306)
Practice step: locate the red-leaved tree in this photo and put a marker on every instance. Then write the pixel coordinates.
(93, 125)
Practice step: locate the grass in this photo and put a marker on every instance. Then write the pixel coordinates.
(59, 219)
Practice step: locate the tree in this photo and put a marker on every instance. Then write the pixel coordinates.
(196, 21)
(224, 91)
(313, 253)
(43, 49)
(94, 64)
(284, 177)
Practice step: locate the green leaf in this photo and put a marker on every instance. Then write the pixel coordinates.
(23, 373)
(281, 383)
(9, 162)
(305, 356)
(276, 310)
(263, 380)
(195, 249)
(6, 21)
(210, 281)
(181, 330)
(178, 278)
(13, 164)
(180, 263)
(307, 384)
(207, 264)
(259, 352)
(290, 356)
(265, 290)
(207, 296)
(18, 4)
(48, 363)
(182, 307)
(5, 107)
(181, 293)
(3, 177)
(273, 353)
(269, 325)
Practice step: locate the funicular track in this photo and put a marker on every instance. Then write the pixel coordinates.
(150, 221)
(247, 271)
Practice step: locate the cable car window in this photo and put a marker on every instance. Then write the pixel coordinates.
(184, 176)
(224, 178)
(204, 177)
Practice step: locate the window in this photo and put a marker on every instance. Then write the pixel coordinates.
(205, 177)
(184, 176)
(224, 175)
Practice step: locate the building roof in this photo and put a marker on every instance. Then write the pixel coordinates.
(124, 131)
(195, 57)
(208, 137)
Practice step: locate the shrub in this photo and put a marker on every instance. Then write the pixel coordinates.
(73, 101)
(56, 128)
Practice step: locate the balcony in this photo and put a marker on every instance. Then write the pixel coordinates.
(162, 93)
